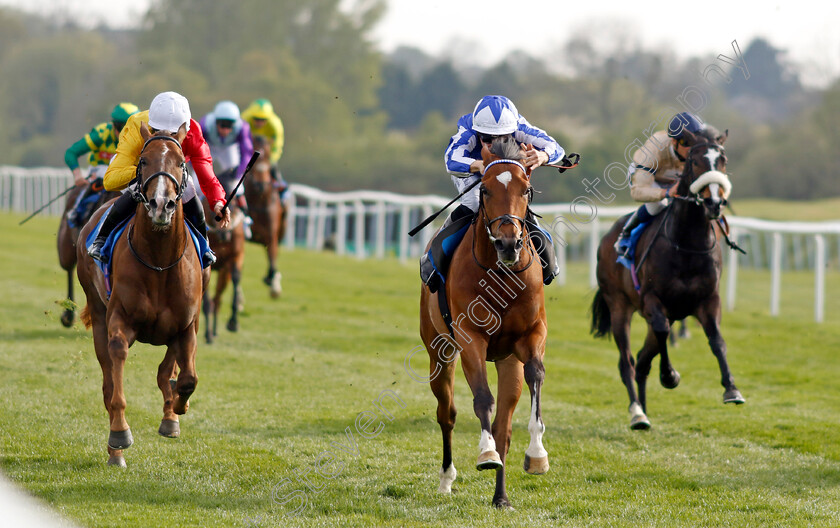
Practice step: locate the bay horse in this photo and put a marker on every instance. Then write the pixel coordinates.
(267, 211)
(229, 245)
(66, 243)
(678, 263)
(157, 282)
(495, 291)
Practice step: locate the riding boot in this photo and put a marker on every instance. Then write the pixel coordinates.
(545, 249)
(116, 215)
(427, 269)
(194, 213)
(639, 215)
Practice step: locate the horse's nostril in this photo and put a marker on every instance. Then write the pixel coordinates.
(499, 245)
(519, 244)
(170, 205)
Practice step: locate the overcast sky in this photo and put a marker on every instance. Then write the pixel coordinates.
(807, 29)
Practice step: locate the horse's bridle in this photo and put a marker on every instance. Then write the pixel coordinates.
(689, 162)
(139, 193)
(505, 218)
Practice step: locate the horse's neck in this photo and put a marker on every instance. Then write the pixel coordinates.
(688, 226)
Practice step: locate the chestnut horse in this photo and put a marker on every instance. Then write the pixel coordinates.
(678, 261)
(229, 245)
(267, 211)
(157, 282)
(66, 242)
(495, 291)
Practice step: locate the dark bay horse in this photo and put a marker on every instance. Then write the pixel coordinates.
(267, 211)
(495, 292)
(157, 282)
(66, 242)
(229, 245)
(679, 276)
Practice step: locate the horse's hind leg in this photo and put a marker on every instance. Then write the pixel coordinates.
(235, 278)
(207, 308)
(536, 457)
(508, 391)
(620, 324)
(69, 313)
(169, 426)
(221, 283)
(183, 349)
(709, 317)
(442, 386)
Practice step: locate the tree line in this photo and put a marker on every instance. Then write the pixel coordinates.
(356, 118)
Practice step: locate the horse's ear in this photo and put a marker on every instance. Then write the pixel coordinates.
(689, 135)
(486, 155)
(145, 133)
(722, 139)
(182, 133)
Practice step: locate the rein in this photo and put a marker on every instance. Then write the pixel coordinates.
(143, 262)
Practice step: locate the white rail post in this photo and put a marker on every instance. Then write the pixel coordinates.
(819, 279)
(776, 274)
(291, 220)
(732, 272)
(594, 240)
(341, 228)
(311, 222)
(359, 206)
(381, 214)
(405, 216)
(560, 249)
(321, 225)
(427, 232)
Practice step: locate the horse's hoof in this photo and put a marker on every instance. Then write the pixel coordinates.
(120, 439)
(209, 338)
(672, 382)
(169, 428)
(67, 318)
(502, 503)
(489, 460)
(536, 465)
(233, 325)
(118, 461)
(733, 396)
(639, 423)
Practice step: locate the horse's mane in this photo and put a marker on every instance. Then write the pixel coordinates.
(506, 147)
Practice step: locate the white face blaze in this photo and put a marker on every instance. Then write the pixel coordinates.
(712, 155)
(504, 178)
(714, 190)
(160, 215)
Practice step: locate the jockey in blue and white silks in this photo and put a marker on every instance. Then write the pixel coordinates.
(494, 116)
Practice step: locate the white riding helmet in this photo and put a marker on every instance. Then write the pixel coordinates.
(168, 111)
(226, 110)
(495, 115)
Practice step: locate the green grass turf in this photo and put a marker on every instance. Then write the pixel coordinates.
(283, 391)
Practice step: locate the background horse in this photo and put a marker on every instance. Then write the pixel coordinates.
(267, 211)
(495, 289)
(66, 242)
(229, 246)
(157, 282)
(679, 263)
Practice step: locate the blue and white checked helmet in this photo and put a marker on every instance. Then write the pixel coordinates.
(495, 115)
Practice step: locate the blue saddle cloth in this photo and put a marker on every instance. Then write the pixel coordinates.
(631, 242)
(444, 246)
(199, 242)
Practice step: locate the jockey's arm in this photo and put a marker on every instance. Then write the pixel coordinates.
(123, 166)
(278, 138)
(246, 149)
(71, 159)
(643, 188)
(198, 152)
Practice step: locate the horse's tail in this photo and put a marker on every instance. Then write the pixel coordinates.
(601, 325)
(85, 316)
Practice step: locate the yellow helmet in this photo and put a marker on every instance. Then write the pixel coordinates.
(261, 109)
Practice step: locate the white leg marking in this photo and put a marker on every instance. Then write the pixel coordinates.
(636, 410)
(447, 478)
(486, 443)
(536, 427)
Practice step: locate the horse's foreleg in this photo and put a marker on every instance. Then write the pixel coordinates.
(661, 328)
(442, 385)
(119, 339)
(643, 364)
(536, 457)
(508, 392)
(169, 426)
(183, 349)
(222, 279)
(207, 308)
(235, 278)
(709, 317)
(69, 313)
(475, 370)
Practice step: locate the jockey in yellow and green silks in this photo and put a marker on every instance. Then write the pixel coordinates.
(100, 144)
(264, 122)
